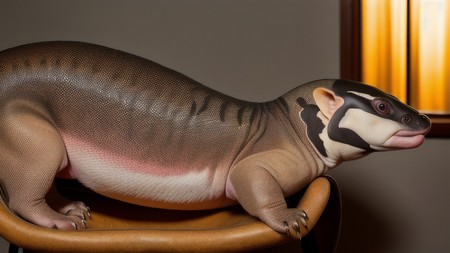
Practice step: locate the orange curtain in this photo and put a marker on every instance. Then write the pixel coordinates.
(384, 41)
(384, 50)
(430, 55)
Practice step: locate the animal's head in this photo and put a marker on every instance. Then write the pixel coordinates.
(346, 120)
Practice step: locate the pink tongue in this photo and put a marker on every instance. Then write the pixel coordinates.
(405, 141)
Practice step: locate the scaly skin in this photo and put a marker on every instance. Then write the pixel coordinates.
(136, 131)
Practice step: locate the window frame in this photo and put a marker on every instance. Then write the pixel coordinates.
(351, 61)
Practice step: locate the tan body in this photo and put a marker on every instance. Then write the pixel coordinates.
(133, 130)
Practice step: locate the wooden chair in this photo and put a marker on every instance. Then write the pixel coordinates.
(120, 227)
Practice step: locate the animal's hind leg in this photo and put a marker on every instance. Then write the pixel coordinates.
(31, 153)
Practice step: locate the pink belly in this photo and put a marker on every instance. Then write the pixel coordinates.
(143, 182)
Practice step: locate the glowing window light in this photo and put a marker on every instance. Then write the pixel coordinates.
(385, 44)
(384, 31)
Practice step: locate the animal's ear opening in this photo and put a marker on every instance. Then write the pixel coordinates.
(327, 101)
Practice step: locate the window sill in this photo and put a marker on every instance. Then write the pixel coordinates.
(440, 126)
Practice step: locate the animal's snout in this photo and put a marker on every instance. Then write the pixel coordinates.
(423, 122)
(416, 122)
(425, 119)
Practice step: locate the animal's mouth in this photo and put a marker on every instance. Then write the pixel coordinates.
(405, 139)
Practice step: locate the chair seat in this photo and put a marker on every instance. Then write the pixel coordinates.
(120, 227)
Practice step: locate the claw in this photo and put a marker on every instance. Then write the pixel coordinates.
(88, 212)
(297, 229)
(305, 218)
(303, 222)
(81, 214)
(286, 227)
(304, 215)
(84, 223)
(74, 225)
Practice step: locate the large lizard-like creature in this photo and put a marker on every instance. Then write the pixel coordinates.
(136, 131)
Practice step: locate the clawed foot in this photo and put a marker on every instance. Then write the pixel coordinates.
(77, 213)
(287, 221)
(71, 216)
(296, 224)
(66, 214)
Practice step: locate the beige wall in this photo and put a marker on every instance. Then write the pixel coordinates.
(257, 50)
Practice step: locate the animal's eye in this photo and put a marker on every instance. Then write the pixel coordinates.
(406, 119)
(381, 106)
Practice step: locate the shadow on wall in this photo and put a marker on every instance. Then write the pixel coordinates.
(396, 201)
(363, 228)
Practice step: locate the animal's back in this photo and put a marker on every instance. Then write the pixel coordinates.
(128, 124)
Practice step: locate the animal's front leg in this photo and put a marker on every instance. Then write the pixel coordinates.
(257, 190)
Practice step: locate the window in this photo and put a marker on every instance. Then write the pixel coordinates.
(402, 47)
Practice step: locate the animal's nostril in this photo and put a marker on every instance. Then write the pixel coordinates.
(425, 118)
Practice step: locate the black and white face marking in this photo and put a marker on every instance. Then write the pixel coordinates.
(348, 119)
(373, 120)
(314, 125)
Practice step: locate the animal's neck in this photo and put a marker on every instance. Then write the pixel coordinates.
(331, 152)
(289, 111)
(336, 152)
